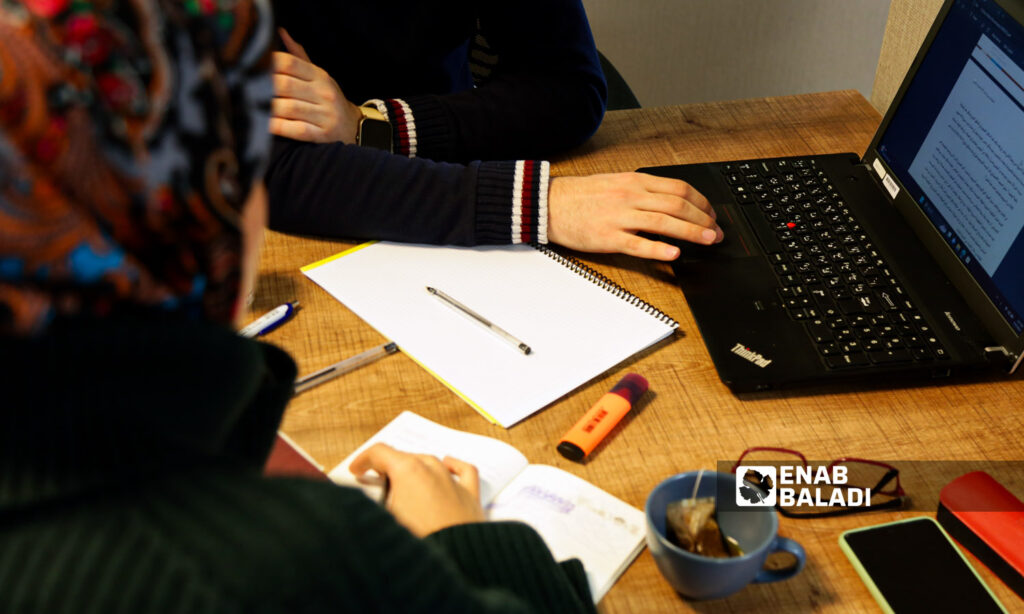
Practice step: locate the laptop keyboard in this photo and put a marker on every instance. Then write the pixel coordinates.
(830, 275)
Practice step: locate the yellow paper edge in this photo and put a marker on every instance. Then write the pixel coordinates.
(479, 410)
(310, 267)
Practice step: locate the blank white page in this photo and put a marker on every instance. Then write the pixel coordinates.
(575, 328)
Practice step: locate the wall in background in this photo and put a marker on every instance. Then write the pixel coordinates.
(682, 51)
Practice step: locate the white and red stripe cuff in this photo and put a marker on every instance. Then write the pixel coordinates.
(404, 123)
(530, 201)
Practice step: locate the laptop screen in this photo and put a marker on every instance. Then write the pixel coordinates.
(956, 143)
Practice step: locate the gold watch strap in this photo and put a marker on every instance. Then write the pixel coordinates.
(371, 112)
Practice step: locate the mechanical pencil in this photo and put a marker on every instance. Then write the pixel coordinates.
(479, 319)
(340, 368)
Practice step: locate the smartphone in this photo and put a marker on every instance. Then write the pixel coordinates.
(913, 566)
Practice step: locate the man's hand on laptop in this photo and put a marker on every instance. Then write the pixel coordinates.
(604, 213)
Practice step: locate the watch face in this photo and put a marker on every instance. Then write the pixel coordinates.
(375, 133)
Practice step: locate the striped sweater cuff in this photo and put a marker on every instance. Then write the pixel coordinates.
(512, 202)
(433, 128)
(404, 134)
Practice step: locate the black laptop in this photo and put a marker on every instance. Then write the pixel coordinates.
(908, 260)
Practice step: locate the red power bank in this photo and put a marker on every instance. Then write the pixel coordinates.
(988, 520)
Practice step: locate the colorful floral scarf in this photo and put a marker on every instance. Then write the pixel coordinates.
(131, 132)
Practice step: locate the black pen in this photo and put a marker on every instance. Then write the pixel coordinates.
(479, 319)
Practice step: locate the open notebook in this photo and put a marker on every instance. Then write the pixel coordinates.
(577, 323)
(575, 518)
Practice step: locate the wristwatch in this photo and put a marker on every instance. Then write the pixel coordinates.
(374, 130)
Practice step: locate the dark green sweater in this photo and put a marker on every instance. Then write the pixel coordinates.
(129, 482)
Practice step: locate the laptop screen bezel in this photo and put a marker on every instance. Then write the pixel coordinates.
(1003, 333)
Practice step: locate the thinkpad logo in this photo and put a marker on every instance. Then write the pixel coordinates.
(949, 316)
(746, 353)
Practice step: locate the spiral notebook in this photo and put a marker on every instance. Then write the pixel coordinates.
(577, 323)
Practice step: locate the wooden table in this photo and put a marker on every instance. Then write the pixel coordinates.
(692, 420)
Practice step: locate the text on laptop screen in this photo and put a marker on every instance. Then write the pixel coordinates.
(956, 143)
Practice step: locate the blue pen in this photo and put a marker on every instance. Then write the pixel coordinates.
(270, 320)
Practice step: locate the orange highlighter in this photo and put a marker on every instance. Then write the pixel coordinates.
(602, 417)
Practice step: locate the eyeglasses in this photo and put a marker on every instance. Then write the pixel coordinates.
(858, 474)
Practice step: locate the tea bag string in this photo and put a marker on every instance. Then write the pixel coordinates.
(696, 486)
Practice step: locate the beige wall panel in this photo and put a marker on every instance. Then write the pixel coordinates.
(682, 51)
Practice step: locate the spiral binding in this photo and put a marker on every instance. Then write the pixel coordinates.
(606, 284)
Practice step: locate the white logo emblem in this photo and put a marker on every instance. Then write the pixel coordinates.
(756, 486)
(746, 353)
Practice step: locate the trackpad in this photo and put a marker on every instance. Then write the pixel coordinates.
(739, 241)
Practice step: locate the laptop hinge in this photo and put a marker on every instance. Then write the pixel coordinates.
(1010, 357)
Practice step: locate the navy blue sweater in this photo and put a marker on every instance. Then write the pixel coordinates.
(460, 81)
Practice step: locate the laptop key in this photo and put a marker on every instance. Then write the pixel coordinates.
(888, 356)
(819, 331)
(840, 361)
(920, 354)
(828, 349)
(865, 303)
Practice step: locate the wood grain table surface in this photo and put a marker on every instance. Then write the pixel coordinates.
(690, 419)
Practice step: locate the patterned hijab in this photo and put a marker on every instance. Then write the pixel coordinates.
(131, 132)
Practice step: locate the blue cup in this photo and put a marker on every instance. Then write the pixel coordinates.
(754, 529)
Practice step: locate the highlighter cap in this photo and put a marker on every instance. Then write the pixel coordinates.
(571, 451)
(630, 387)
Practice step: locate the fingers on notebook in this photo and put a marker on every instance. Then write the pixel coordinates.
(378, 457)
(427, 494)
(469, 477)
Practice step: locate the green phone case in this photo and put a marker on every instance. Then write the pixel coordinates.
(873, 588)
